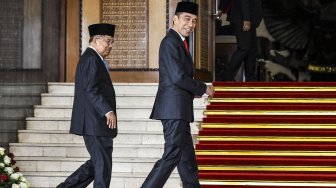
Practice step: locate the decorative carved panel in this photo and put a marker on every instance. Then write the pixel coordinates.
(11, 34)
(130, 50)
(204, 35)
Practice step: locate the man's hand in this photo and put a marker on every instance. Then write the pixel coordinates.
(111, 120)
(246, 25)
(210, 91)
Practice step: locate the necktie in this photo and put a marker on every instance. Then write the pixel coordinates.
(186, 45)
(106, 65)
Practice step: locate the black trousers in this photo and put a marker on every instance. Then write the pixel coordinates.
(97, 169)
(178, 151)
(245, 53)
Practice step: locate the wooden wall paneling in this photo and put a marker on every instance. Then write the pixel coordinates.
(72, 38)
(50, 39)
(172, 8)
(62, 46)
(204, 42)
(90, 15)
(157, 30)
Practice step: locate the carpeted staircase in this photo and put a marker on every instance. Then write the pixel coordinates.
(269, 134)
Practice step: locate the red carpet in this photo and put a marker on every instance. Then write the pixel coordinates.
(269, 134)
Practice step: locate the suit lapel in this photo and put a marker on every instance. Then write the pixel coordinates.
(101, 64)
(178, 38)
(189, 62)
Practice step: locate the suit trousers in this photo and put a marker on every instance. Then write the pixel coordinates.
(178, 151)
(245, 53)
(97, 169)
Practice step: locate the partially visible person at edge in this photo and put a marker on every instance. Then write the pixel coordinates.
(224, 6)
(244, 17)
(94, 110)
(174, 102)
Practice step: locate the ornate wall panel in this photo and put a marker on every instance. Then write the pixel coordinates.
(20, 46)
(11, 22)
(204, 23)
(32, 33)
(29, 41)
(130, 50)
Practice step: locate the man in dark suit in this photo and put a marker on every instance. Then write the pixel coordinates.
(174, 101)
(224, 7)
(245, 16)
(94, 110)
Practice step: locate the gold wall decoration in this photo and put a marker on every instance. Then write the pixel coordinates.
(130, 50)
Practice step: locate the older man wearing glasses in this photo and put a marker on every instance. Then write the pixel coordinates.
(94, 110)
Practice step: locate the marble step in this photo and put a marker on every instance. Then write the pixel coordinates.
(124, 111)
(20, 99)
(37, 136)
(120, 88)
(118, 180)
(61, 164)
(138, 99)
(22, 88)
(140, 124)
(79, 150)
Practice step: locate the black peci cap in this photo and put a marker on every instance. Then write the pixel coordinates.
(101, 29)
(188, 7)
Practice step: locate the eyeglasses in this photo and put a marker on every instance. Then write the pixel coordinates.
(108, 41)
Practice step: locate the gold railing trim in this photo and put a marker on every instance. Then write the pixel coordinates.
(265, 153)
(256, 88)
(267, 183)
(323, 69)
(267, 168)
(275, 100)
(270, 112)
(269, 125)
(266, 138)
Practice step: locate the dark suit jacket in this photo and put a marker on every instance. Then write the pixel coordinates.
(250, 10)
(94, 97)
(174, 98)
(225, 5)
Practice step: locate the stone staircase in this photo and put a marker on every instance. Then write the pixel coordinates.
(16, 103)
(47, 153)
